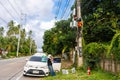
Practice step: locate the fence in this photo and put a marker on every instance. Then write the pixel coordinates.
(110, 65)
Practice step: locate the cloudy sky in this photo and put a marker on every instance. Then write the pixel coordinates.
(36, 15)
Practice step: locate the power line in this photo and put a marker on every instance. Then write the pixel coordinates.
(3, 20)
(21, 11)
(69, 12)
(7, 10)
(66, 11)
(59, 6)
(67, 4)
(17, 5)
(13, 8)
(63, 9)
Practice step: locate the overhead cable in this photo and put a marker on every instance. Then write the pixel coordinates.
(3, 20)
(13, 8)
(59, 6)
(7, 10)
(66, 7)
(69, 12)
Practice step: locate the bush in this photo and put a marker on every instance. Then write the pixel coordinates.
(92, 54)
(11, 54)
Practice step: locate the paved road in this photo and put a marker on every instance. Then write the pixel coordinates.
(12, 69)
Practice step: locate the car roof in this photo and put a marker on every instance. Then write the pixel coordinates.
(39, 54)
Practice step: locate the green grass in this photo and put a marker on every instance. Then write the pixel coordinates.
(82, 75)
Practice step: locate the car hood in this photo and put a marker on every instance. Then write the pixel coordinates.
(36, 64)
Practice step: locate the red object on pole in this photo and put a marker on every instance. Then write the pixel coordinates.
(79, 24)
(75, 17)
(88, 70)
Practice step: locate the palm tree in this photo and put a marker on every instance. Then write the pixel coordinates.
(1, 31)
(13, 30)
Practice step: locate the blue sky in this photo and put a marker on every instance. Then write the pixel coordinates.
(39, 15)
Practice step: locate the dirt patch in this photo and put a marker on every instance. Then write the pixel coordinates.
(66, 64)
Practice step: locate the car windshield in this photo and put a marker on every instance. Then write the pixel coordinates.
(39, 58)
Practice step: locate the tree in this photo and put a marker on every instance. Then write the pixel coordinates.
(93, 53)
(59, 39)
(13, 30)
(101, 18)
(12, 40)
(1, 31)
(101, 25)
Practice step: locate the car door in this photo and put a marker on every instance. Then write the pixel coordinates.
(57, 64)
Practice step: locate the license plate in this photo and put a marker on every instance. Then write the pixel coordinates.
(35, 72)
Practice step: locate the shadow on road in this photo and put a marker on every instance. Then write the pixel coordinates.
(26, 76)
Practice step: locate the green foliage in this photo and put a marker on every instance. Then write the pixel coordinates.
(82, 75)
(115, 46)
(11, 54)
(59, 39)
(1, 31)
(92, 54)
(101, 18)
(76, 61)
(10, 41)
(101, 25)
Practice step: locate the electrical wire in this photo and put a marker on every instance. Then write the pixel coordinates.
(3, 20)
(67, 4)
(64, 12)
(17, 6)
(69, 12)
(62, 8)
(13, 7)
(7, 10)
(59, 6)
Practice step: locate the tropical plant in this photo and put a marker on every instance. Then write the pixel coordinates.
(1, 31)
(59, 39)
(93, 53)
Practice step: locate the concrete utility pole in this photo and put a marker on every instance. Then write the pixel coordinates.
(79, 33)
(30, 46)
(18, 45)
(18, 42)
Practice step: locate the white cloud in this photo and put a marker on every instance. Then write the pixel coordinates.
(47, 25)
(39, 15)
(40, 9)
(38, 30)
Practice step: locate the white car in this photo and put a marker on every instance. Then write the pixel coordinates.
(57, 64)
(37, 65)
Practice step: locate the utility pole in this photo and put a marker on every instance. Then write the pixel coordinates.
(18, 42)
(30, 46)
(79, 32)
(18, 45)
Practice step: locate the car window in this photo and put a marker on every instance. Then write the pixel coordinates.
(57, 60)
(44, 59)
(39, 58)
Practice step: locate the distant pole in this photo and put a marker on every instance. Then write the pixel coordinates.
(18, 42)
(79, 35)
(18, 45)
(30, 46)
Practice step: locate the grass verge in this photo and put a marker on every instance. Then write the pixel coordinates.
(82, 75)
